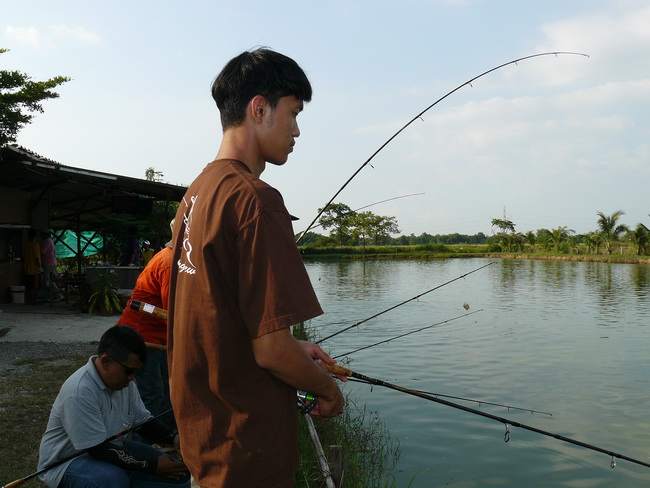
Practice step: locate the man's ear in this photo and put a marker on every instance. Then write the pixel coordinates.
(257, 107)
(103, 360)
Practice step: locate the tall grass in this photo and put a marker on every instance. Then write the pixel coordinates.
(370, 452)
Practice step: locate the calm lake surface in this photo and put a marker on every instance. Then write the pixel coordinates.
(560, 337)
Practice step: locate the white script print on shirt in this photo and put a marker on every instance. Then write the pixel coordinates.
(188, 266)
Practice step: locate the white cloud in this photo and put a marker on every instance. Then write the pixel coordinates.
(618, 45)
(25, 35)
(76, 33)
(34, 37)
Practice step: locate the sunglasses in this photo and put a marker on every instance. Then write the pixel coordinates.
(127, 370)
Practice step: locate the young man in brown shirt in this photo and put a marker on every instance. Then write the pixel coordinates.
(237, 284)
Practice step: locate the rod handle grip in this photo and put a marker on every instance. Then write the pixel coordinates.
(13, 484)
(336, 369)
(149, 309)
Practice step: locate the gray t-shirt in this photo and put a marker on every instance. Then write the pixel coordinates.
(86, 413)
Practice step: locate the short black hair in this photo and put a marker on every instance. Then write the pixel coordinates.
(121, 340)
(258, 72)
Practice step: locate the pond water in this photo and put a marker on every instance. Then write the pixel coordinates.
(568, 338)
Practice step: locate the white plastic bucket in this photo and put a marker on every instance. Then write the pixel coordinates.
(17, 293)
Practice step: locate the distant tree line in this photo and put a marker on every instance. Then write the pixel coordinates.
(565, 240)
(349, 228)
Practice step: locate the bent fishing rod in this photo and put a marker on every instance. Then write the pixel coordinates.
(340, 370)
(402, 303)
(418, 116)
(20, 481)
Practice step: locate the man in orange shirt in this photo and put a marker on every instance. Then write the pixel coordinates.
(152, 286)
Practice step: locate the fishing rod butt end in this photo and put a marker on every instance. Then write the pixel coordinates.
(336, 369)
(13, 484)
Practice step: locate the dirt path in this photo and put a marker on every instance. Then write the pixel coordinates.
(47, 332)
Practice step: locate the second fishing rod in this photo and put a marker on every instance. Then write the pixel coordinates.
(508, 423)
(404, 302)
(336, 369)
(306, 401)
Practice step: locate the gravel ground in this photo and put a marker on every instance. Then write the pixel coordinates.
(13, 354)
(30, 332)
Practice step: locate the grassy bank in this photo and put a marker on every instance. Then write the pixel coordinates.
(29, 385)
(443, 251)
(369, 450)
(27, 391)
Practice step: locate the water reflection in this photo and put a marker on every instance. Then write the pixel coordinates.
(564, 337)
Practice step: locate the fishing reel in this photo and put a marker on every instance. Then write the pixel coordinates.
(306, 402)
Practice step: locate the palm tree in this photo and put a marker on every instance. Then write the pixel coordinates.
(593, 240)
(574, 244)
(560, 234)
(610, 229)
(639, 238)
(531, 240)
(545, 238)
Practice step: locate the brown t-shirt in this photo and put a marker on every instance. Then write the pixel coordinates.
(236, 275)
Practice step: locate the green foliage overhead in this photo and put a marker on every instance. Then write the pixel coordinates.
(20, 97)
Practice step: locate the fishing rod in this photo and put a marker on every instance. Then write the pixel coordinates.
(402, 303)
(340, 370)
(20, 481)
(307, 402)
(472, 400)
(479, 402)
(418, 116)
(149, 309)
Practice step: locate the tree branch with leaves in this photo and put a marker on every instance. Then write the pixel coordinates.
(20, 99)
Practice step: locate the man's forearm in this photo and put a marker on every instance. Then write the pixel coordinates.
(156, 431)
(118, 455)
(286, 359)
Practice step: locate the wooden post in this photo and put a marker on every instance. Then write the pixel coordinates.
(338, 465)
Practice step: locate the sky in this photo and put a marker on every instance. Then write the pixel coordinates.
(547, 142)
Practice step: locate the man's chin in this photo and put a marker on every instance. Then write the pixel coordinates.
(277, 162)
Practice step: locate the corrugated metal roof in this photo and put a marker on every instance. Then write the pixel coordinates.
(76, 192)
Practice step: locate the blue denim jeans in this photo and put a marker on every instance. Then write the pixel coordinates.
(88, 472)
(153, 385)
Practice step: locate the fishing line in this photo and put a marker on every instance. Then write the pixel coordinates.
(407, 333)
(149, 309)
(367, 206)
(465, 399)
(339, 370)
(479, 402)
(402, 303)
(419, 117)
